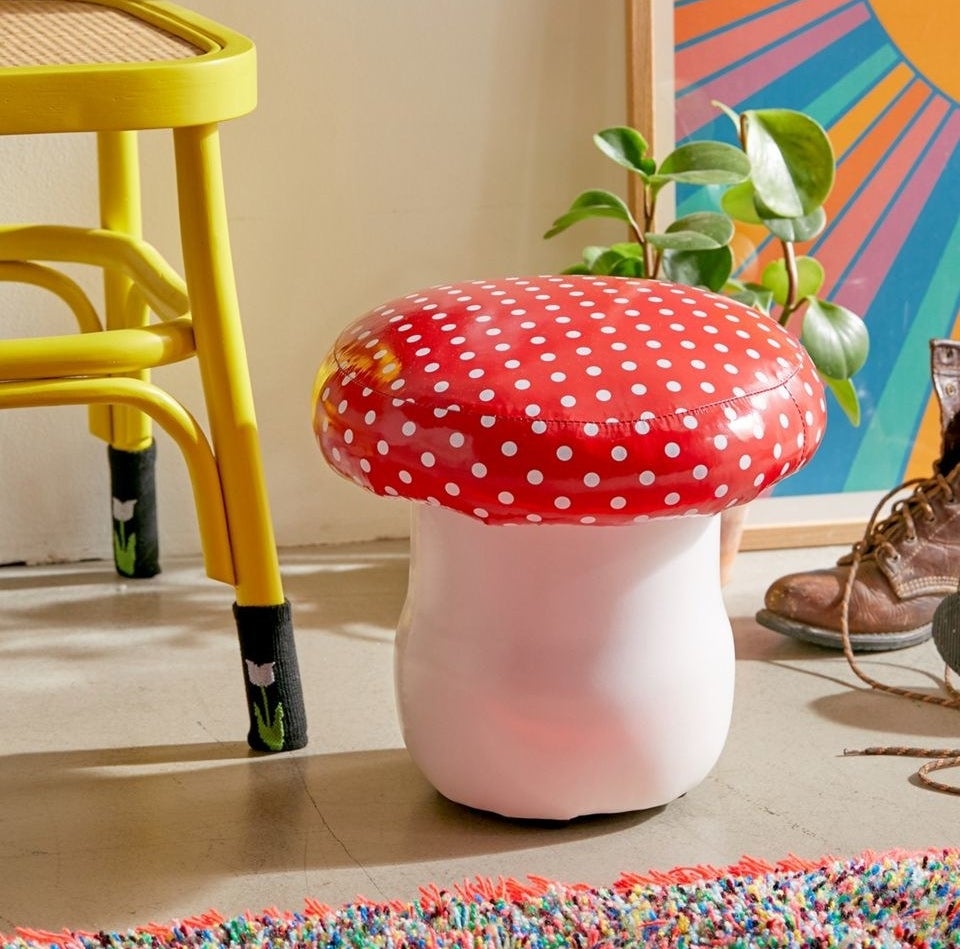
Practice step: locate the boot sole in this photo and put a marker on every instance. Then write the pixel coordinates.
(831, 638)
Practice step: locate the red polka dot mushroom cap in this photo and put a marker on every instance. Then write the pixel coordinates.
(568, 399)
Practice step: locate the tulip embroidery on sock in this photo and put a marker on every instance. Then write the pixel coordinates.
(124, 545)
(270, 731)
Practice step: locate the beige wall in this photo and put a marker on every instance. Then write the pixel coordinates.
(398, 143)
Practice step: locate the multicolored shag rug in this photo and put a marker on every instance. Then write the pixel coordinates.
(888, 900)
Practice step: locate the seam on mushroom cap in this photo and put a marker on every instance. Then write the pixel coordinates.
(353, 377)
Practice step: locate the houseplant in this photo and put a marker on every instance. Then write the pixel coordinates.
(775, 180)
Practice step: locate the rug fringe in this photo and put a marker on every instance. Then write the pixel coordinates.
(490, 890)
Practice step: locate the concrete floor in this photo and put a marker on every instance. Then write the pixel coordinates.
(127, 793)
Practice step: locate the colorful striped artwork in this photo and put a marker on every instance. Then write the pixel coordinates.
(883, 78)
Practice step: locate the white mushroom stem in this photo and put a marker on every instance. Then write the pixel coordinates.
(550, 671)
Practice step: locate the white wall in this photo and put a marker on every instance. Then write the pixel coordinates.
(396, 145)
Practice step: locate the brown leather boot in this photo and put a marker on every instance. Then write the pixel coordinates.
(910, 561)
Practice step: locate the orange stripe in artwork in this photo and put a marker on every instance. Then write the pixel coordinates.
(883, 174)
(868, 152)
(698, 19)
(740, 42)
(926, 445)
(851, 125)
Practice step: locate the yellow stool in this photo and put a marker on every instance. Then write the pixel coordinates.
(114, 67)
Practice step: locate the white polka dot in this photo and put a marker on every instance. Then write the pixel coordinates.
(480, 512)
(382, 447)
(391, 491)
(534, 518)
(568, 401)
(441, 386)
(538, 427)
(647, 478)
(638, 388)
(452, 489)
(604, 395)
(591, 479)
(532, 410)
(348, 436)
(619, 453)
(405, 476)
(457, 440)
(342, 407)
(505, 497)
(476, 373)
(641, 427)
(700, 472)
(564, 453)
(370, 417)
(758, 480)
(408, 428)
(777, 451)
(745, 462)
(509, 449)
(720, 442)
(672, 499)
(721, 491)
(478, 470)
(534, 476)
(558, 376)
(671, 449)
(673, 386)
(561, 503)
(689, 422)
(588, 520)
(591, 429)
(618, 503)
(486, 395)
(427, 459)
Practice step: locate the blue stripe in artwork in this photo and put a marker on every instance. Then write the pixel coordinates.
(921, 286)
(887, 443)
(794, 88)
(700, 37)
(870, 232)
(830, 106)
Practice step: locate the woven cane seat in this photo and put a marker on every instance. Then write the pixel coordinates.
(110, 65)
(68, 33)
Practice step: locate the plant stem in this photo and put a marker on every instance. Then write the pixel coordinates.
(790, 263)
(650, 263)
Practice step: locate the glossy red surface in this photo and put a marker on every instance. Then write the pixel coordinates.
(596, 400)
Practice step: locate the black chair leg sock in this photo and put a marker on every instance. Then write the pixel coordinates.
(136, 548)
(278, 720)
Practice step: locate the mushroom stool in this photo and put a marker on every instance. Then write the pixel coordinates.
(564, 648)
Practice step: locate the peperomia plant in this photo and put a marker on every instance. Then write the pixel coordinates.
(778, 177)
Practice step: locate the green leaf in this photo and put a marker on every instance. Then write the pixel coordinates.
(738, 202)
(809, 279)
(581, 269)
(592, 204)
(846, 396)
(704, 163)
(699, 268)
(791, 158)
(627, 147)
(835, 337)
(749, 294)
(797, 229)
(618, 260)
(703, 230)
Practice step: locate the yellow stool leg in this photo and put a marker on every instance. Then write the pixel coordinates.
(263, 614)
(128, 432)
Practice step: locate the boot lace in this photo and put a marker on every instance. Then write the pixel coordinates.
(881, 538)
